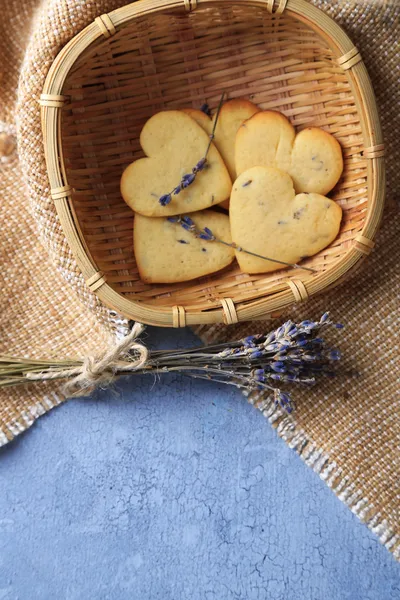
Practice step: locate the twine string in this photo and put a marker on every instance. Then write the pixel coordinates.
(127, 355)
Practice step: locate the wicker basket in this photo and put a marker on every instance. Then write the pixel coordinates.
(160, 54)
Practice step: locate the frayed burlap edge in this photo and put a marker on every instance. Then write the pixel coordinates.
(29, 415)
(329, 471)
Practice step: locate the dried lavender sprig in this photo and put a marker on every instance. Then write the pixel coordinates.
(207, 235)
(212, 135)
(293, 353)
(189, 178)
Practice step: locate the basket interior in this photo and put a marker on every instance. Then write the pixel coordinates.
(170, 61)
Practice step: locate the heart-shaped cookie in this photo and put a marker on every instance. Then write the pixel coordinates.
(174, 143)
(167, 253)
(267, 218)
(201, 119)
(231, 116)
(313, 157)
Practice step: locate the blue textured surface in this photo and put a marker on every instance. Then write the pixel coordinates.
(177, 491)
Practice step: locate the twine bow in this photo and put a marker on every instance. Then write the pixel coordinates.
(94, 371)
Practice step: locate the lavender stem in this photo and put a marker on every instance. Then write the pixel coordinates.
(212, 135)
(281, 262)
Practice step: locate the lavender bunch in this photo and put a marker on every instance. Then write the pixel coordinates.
(189, 178)
(292, 354)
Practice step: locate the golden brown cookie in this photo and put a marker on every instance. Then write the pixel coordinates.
(174, 143)
(201, 118)
(313, 157)
(232, 114)
(167, 253)
(269, 219)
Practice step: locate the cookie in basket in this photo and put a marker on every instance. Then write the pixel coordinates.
(174, 144)
(313, 157)
(166, 252)
(201, 119)
(269, 219)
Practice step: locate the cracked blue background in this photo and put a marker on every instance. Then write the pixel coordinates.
(177, 490)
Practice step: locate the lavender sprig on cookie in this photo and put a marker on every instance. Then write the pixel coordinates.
(189, 178)
(207, 235)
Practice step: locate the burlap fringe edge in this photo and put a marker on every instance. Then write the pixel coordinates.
(29, 416)
(313, 457)
(329, 472)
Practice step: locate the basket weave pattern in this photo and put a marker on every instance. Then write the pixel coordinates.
(170, 59)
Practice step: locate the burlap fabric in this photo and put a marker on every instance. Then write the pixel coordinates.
(348, 430)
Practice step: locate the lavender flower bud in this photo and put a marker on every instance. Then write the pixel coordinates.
(177, 190)
(271, 347)
(291, 377)
(283, 345)
(324, 318)
(295, 361)
(187, 223)
(285, 402)
(201, 164)
(280, 331)
(307, 329)
(288, 326)
(205, 109)
(166, 199)
(254, 353)
(187, 180)
(275, 376)
(339, 326)
(270, 338)
(259, 375)
(278, 367)
(206, 234)
(248, 341)
(173, 219)
(334, 355)
(293, 330)
(285, 398)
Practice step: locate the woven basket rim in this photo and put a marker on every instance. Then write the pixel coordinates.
(281, 296)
